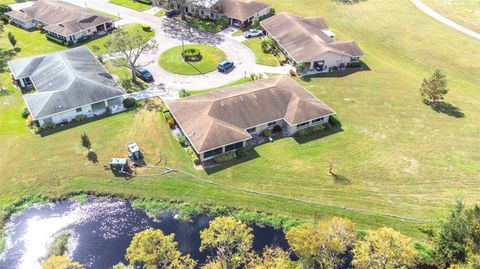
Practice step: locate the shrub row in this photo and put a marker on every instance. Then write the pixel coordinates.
(334, 121)
(193, 155)
(311, 130)
(146, 2)
(225, 157)
(80, 117)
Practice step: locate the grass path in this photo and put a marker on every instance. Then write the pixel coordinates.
(465, 12)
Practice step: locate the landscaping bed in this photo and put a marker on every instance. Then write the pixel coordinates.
(172, 60)
(263, 58)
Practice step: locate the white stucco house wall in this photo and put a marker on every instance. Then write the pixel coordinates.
(225, 120)
(62, 85)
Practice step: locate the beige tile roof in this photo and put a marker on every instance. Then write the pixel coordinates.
(304, 39)
(61, 17)
(240, 9)
(221, 117)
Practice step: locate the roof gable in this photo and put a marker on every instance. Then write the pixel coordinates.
(65, 80)
(221, 117)
(304, 38)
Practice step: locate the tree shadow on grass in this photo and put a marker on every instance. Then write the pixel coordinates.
(340, 179)
(194, 67)
(5, 92)
(446, 108)
(338, 73)
(5, 56)
(92, 156)
(220, 167)
(318, 135)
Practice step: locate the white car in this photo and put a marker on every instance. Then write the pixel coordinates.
(252, 33)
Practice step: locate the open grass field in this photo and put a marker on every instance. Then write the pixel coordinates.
(131, 4)
(400, 156)
(255, 44)
(464, 12)
(172, 60)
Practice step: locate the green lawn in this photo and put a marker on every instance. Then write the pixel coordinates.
(464, 12)
(401, 157)
(240, 81)
(131, 4)
(255, 44)
(124, 76)
(98, 45)
(160, 13)
(171, 60)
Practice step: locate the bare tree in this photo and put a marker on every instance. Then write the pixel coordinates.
(130, 46)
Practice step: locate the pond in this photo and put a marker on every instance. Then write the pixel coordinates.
(102, 229)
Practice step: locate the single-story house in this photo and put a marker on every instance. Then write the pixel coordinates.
(62, 20)
(66, 84)
(241, 13)
(309, 41)
(224, 120)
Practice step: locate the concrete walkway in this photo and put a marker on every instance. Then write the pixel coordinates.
(169, 33)
(432, 13)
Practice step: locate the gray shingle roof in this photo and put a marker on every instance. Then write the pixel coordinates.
(61, 17)
(65, 80)
(221, 117)
(304, 39)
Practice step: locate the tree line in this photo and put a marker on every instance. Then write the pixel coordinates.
(328, 244)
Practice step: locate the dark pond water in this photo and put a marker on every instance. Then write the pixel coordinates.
(102, 230)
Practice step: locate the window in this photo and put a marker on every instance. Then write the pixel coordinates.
(252, 130)
(233, 146)
(317, 120)
(78, 110)
(212, 153)
(303, 124)
(272, 123)
(355, 59)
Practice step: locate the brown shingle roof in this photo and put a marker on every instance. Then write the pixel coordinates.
(304, 39)
(240, 9)
(61, 17)
(221, 117)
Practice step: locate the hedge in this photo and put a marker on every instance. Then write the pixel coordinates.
(334, 121)
(310, 130)
(225, 157)
(129, 102)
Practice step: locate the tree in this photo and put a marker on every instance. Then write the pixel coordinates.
(384, 248)
(130, 46)
(272, 258)
(177, 4)
(434, 88)
(60, 262)
(230, 240)
(12, 39)
(458, 239)
(322, 245)
(86, 141)
(151, 248)
(184, 262)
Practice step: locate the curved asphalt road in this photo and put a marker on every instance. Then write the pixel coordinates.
(432, 13)
(168, 33)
